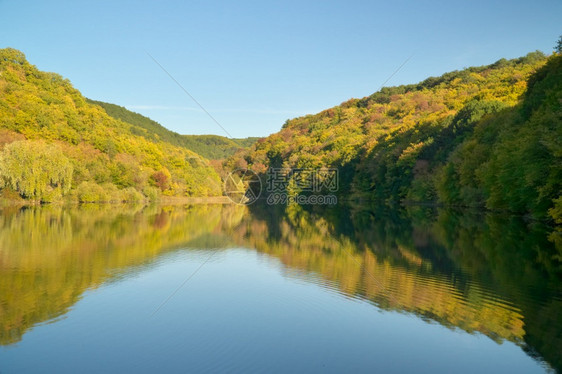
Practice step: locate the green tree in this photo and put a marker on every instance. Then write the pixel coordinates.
(35, 169)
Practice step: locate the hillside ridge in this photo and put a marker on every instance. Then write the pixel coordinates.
(55, 144)
(212, 147)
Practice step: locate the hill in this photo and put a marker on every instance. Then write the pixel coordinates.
(213, 147)
(486, 136)
(53, 142)
(216, 147)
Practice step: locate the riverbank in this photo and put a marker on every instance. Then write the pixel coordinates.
(195, 200)
(11, 199)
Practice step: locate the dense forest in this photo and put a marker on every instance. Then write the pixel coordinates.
(486, 137)
(212, 147)
(55, 144)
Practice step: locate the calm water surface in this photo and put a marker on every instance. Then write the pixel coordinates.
(237, 289)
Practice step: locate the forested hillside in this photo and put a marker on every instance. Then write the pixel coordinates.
(488, 136)
(213, 147)
(53, 143)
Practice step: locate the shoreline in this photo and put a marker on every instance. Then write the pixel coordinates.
(194, 200)
(168, 200)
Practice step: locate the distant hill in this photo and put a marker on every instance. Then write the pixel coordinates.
(216, 147)
(54, 142)
(213, 147)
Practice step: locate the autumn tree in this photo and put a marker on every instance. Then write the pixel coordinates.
(161, 179)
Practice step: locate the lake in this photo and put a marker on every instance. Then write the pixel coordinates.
(227, 288)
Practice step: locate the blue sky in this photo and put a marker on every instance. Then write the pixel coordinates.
(254, 64)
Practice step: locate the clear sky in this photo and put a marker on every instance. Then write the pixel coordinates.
(254, 64)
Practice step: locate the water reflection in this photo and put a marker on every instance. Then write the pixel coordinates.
(495, 275)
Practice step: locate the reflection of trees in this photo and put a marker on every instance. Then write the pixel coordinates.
(49, 256)
(517, 258)
(481, 273)
(492, 274)
(377, 264)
